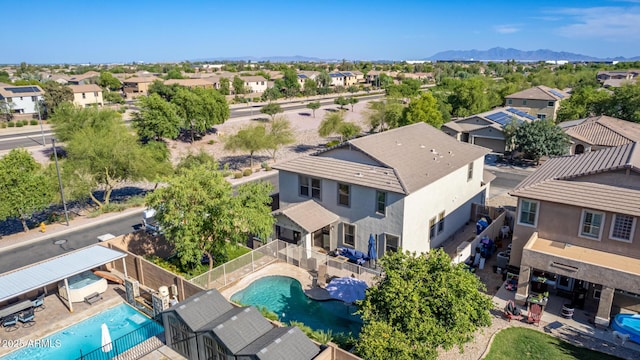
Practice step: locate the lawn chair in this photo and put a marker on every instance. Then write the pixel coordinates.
(10, 323)
(38, 303)
(511, 311)
(27, 318)
(535, 313)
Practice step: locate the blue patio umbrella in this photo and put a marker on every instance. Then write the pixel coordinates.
(347, 289)
(372, 251)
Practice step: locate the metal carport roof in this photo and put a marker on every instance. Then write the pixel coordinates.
(39, 275)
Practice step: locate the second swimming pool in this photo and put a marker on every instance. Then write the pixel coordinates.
(284, 296)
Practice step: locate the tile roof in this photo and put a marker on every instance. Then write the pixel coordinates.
(540, 92)
(16, 91)
(558, 180)
(198, 310)
(188, 82)
(255, 78)
(286, 343)
(618, 82)
(310, 215)
(239, 327)
(87, 75)
(85, 88)
(604, 131)
(140, 79)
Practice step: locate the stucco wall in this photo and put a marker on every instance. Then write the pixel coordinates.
(26, 105)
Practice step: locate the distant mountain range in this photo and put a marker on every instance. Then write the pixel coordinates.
(498, 53)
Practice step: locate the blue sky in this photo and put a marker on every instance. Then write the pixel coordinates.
(71, 31)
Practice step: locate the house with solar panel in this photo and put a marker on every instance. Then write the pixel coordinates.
(487, 129)
(540, 101)
(411, 187)
(304, 75)
(343, 78)
(599, 132)
(21, 99)
(207, 326)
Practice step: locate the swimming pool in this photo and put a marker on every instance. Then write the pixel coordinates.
(86, 336)
(284, 296)
(628, 324)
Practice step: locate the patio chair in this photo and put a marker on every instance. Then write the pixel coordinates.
(10, 323)
(322, 275)
(38, 303)
(511, 311)
(27, 318)
(535, 313)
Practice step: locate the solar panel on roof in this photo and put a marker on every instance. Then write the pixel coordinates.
(503, 118)
(302, 76)
(521, 113)
(20, 90)
(554, 92)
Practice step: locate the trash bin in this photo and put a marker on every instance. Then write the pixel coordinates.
(502, 260)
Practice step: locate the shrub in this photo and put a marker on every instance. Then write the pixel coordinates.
(332, 143)
(247, 172)
(33, 122)
(25, 122)
(211, 142)
(267, 168)
(3, 125)
(19, 124)
(237, 174)
(11, 124)
(264, 165)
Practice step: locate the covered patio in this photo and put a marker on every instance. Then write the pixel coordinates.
(307, 224)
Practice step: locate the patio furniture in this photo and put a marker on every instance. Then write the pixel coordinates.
(38, 303)
(27, 318)
(92, 298)
(535, 314)
(511, 311)
(353, 255)
(15, 308)
(10, 323)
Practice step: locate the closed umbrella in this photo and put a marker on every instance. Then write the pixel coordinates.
(106, 339)
(372, 251)
(347, 289)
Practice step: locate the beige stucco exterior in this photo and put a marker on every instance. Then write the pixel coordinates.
(548, 108)
(87, 95)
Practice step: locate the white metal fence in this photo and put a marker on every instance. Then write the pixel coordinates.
(281, 251)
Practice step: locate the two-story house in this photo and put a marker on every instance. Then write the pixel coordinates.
(136, 86)
(87, 95)
(540, 101)
(598, 132)
(90, 77)
(254, 84)
(576, 230)
(487, 129)
(21, 99)
(304, 75)
(410, 187)
(191, 83)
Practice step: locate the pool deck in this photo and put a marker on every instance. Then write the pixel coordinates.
(303, 276)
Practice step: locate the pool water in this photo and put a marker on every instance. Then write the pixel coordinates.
(284, 296)
(86, 336)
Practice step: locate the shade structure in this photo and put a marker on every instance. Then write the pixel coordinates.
(347, 289)
(106, 339)
(372, 252)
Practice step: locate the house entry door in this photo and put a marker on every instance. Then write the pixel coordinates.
(565, 283)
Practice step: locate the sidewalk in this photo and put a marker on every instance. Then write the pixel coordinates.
(80, 222)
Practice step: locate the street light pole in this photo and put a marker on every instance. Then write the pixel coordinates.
(40, 120)
(64, 203)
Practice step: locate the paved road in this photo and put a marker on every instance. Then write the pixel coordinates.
(506, 179)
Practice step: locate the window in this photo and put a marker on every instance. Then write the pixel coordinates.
(528, 213)
(391, 243)
(21, 98)
(542, 116)
(524, 102)
(84, 96)
(509, 101)
(34, 98)
(349, 234)
(440, 222)
(95, 94)
(550, 103)
(9, 99)
(343, 194)
(470, 172)
(591, 225)
(304, 185)
(432, 228)
(381, 202)
(622, 227)
(315, 188)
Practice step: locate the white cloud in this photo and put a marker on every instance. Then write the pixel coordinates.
(506, 29)
(610, 23)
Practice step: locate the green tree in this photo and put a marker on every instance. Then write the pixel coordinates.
(271, 94)
(469, 97)
(383, 115)
(200, 214)
(540, 138)
(291, 84)
(349, 130)
(24, 187)
(421, 303)
(584, 101)
(55, 94)
(157, 119)
(69, 120)
(225, 86)
(201, 158)
(334, 123)
(625, 103)
(352, 101)
(113, 97)
(271, 109)
(174, 74)
(342, 101)
(313, 106)
(105, 154)
(166, 92)
(108, 81)
(423, 109)
(324, 80)
(200, 109)
(310, 87)
(238, 86)
(279, 134)
(250, 139)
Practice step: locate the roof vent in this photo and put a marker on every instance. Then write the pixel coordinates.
(359, 174)
(450, 152)
(398, 143)
(435, 159)
(422, 146)
(433, 151)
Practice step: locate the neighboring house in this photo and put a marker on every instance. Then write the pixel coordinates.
(137, 86)
(90, 77)
(21, 99)
(87, 95)
(618, 82)
(540, 101)
(190, 83)
(486, 129)
(410, 187)
(337, 79)
(254, 84)
(59, 78)
(576, 230)
(603, 76)
(207, 326)
(304, 75)
(359, 76)
(599, 132)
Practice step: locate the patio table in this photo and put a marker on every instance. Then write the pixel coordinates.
(15, 308)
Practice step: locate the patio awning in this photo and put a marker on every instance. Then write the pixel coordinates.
(39, 275)
(309, 215)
